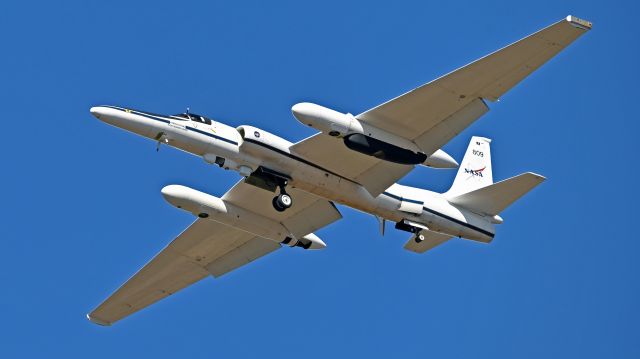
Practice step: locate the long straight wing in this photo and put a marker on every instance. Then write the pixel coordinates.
(210, 248)
(432, 114)
(183, 262)
(413, 114)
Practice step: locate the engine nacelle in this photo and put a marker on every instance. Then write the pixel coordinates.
(213, 208)
(369, 140)
(326, 120)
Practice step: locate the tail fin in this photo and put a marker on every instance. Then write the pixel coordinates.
(475, 170)
(494, 198)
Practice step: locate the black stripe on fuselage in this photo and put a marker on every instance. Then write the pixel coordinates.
(401, 198)
(464, 224)
(167, 121)
(294, 157)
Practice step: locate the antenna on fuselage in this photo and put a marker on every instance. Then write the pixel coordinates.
(161, 137)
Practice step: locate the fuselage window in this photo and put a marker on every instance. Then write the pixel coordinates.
(181, 116)
(201, 119)
(192, 117)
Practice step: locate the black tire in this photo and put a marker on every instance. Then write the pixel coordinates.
(276, 205)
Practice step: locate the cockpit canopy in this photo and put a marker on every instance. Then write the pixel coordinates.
(193, 117)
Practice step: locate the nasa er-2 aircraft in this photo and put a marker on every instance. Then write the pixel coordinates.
(353, 160)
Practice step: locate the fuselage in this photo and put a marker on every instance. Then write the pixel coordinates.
(246, 148)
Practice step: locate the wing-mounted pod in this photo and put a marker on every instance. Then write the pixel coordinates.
(209, 207)
(369, 140)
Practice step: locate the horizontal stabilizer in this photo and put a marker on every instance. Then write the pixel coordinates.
(494, 198)
(431, 240)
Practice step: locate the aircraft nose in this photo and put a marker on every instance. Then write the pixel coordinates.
(126, 119)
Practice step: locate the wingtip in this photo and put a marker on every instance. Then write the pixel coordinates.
(98, 321)
(580, 23)
(538, 176)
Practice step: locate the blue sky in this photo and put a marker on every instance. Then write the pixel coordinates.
(82, 208)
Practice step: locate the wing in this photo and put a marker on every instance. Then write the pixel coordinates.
(431, 240)
(416, 113)
(331, 153)
(210, 248)
(183, 262)
(431, 115)
(307, 214)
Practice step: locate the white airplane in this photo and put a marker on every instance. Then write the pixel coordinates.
(353, 160)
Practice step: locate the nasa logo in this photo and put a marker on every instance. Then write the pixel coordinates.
(476, 173)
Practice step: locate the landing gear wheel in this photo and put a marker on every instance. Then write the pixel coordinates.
(281, 202)
(284, 200)
(419, 237)
(277, 205)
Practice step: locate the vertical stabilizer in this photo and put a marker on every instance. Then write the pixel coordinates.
(475, 169)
